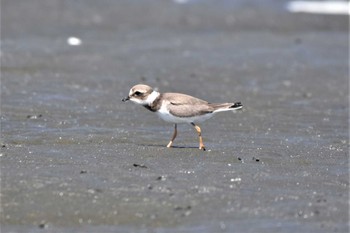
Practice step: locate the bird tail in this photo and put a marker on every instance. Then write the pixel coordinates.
(226, 107)
(237, 105)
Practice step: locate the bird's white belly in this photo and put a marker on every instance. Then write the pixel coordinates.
(164, 114)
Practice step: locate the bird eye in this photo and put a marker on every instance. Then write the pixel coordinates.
(137, 93)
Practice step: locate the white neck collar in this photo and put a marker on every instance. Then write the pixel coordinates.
(152, 97)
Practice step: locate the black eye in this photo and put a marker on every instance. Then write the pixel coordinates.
(137, 93)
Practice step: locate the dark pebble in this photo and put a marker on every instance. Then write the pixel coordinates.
(240, 159)
(3, 146)
(34, 116)
(41, 225)
(307, 95)
(161, 178)
(298, 41)
(177, 208)
(83, 172)
(139, 165)
(98, 190)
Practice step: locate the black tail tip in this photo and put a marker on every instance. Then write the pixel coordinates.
(237, 105)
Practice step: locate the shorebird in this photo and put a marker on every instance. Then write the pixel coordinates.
(178, 108)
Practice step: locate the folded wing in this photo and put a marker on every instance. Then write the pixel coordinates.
(182, 105)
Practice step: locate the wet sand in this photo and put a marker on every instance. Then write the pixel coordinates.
(75, 158)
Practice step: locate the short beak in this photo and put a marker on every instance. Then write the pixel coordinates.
(125, 99)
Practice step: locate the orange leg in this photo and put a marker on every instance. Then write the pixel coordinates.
(174, 136)
(198, 129)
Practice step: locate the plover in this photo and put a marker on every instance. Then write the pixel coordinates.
(178, 108)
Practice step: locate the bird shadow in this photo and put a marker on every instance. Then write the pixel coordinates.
(174, 147)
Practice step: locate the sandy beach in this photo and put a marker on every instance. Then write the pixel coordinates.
(75, 158)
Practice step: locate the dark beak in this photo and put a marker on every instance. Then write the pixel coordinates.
(125, 99)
